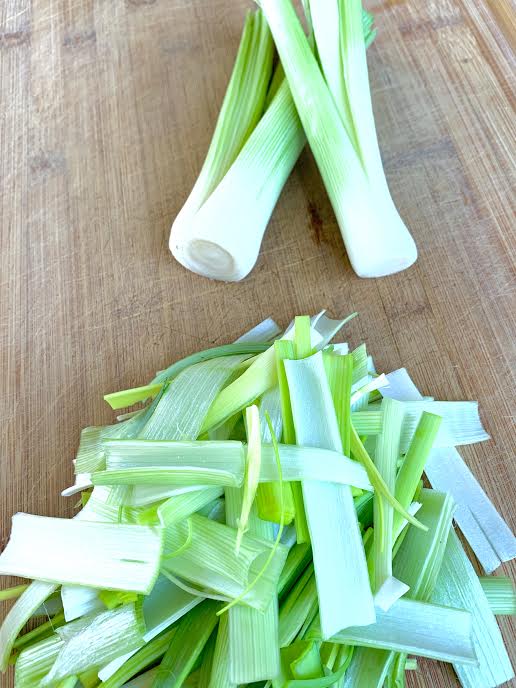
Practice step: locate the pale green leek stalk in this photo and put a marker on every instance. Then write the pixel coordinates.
(334, 106)
(344, 593)
(194, 241)
(458, 584)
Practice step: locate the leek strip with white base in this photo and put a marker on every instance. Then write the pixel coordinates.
(345, 597)
(341, 131)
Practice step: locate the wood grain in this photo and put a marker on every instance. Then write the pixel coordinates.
(106, 112)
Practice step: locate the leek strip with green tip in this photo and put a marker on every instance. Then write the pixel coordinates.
(100, 555)
(386, 458)
(344, 593)
(342, 135)
(500, 594)
(184, 404)
(360, 453)
(458, 584)
(235, 349)
(192, 634)
(253, 635)
(339, 371)
(252, 470)
(414, 463)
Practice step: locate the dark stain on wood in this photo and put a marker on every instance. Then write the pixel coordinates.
(315, 222)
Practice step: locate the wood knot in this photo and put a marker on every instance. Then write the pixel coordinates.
(11, 39)
(47, 162)
(80, 39)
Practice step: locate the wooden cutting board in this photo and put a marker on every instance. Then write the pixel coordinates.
(106, 111)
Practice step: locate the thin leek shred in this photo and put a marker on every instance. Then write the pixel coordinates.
(12, 593)
(192, 634)
(176, 509)
(500, 594)
(360, 453)
(253, 652)
(102, 555)
(344, 593)
(458, 584)
(341, 130)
